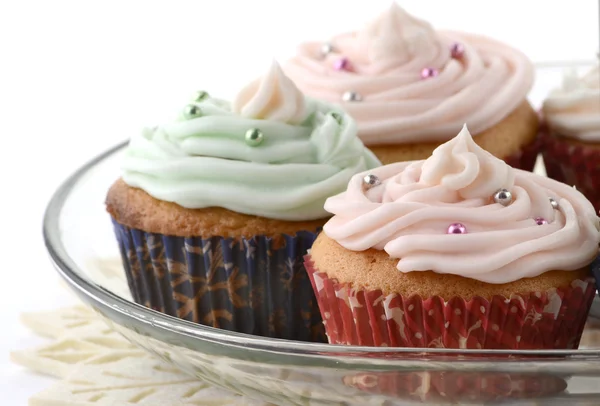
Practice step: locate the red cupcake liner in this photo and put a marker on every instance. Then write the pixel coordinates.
(541, 320)
(525, 159)
(457, 387)
(574, 164)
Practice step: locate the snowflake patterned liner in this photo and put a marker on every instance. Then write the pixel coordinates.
(252, 285)
(541, 320)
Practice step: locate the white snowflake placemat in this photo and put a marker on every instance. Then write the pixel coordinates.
(96, 366)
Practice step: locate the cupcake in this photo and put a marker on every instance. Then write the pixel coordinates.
(571, 133)
(215, 211)
(456, 251)
(410, 88)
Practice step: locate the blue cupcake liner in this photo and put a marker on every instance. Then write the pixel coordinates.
(254, 285)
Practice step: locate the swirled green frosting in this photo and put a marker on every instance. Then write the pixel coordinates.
(306, 151)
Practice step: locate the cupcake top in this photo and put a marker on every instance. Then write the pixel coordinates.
(465, 212)
(405, 82)
(272, 153)
(574, 109)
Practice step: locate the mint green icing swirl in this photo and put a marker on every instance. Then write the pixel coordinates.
(205, 161)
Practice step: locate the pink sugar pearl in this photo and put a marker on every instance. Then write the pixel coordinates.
(457, 228)
(457, 50)
(428, 73)
(342, 64)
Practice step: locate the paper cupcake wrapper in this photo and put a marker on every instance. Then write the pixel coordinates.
(526, 158)
(457, 387)
(252, 285)
(576, 165)
(596, 273)
(541, 320)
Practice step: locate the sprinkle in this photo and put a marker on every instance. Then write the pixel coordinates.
(428, 73)
(457, 50)
(342, 64)
(457, 228)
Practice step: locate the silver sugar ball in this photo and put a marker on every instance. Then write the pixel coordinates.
(192, 111)
(503, 196)
(553, 203)
(370, 181)
(337, 117)
(254, 137)
(351, 97)
(200, 95)
(326, 48)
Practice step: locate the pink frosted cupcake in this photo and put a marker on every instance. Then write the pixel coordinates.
(571, 140)
(457, 251)
(411, 88)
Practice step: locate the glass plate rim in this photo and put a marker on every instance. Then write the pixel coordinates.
(104, 301)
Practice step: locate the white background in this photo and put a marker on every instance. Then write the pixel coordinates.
(78, 76)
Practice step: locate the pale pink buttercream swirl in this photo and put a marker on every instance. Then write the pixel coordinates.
(574, 109)
(272, 97)
(385, 61)
(409, 213)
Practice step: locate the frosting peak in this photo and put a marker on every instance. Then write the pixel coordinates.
(574, 109)
(414, 84)
(274, 154)
(411, 213)
(462, 166)
(272, 97)
(395, 35)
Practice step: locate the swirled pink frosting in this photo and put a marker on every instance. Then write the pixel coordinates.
(574, 109)
(409, 213)
(384, 67)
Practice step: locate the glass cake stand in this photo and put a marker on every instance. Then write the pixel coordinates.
(80, 240)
